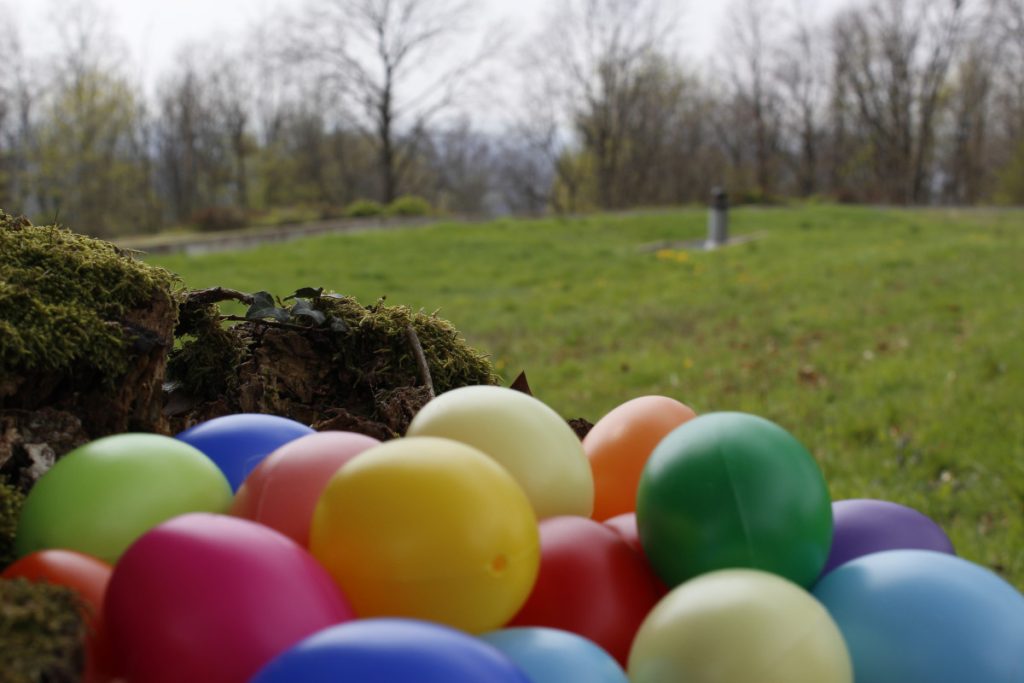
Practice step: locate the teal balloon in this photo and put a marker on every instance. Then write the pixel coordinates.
(549, 655)
(922, 615)
(102, 496)
(729, 490)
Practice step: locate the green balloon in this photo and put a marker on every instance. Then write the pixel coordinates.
(733, 490)
(100, 497)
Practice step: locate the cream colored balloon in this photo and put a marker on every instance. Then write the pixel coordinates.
(739, 626)
(524, 435)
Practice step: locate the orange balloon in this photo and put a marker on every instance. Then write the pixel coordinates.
(619, 445)
(283, 490)
(87, 576)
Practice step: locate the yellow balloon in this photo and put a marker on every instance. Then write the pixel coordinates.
(428, 528)
(524, 435)
(739, 626)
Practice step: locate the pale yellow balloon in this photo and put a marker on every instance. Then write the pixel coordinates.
(524, 435)
(739, 626)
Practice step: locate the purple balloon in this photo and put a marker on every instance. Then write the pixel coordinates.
(862, 526)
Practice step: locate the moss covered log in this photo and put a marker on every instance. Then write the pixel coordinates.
(85, 329)
(324, 359)
(67, 304)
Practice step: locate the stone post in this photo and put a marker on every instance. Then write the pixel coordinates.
(718, 219)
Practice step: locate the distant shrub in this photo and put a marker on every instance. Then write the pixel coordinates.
(216, 218)
(363, 208)
(409, 205)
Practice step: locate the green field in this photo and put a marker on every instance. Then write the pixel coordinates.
(888, 341)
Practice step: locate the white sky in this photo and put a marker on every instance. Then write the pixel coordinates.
(153, 30)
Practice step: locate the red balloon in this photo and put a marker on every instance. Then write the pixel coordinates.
(87, 576)
(213, 598)
(283, 490)
(590, 583)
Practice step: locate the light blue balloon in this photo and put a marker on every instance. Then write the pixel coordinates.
(238, 443)
(548, 655)
(920, 616)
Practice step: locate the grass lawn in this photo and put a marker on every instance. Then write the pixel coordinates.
(890, 342)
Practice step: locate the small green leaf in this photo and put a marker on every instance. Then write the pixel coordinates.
(316, 316)
(303, 308)
(260, 301)
(306, 292)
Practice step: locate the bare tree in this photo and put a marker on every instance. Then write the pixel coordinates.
(459, 169)
(894, 58)
(1008, 27)
(1004, 40)
(969, 169)
(694, 164)
(592, 52)
(533, 151)
(802, 76)
(525, 174)
(16, 109)
(231, 82)
(749, 65)
(192, 158)
(90, 159)
(391, 66)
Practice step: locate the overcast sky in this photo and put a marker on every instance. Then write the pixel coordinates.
(153, 30)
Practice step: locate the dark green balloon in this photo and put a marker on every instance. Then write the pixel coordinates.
(733, 490)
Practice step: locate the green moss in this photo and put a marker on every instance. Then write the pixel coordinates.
(11, 500)
(377, 344)
(59, 291)
(205, 365)
(205, 362)
(42, 633)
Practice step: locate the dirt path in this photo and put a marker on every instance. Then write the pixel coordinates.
(247, 238)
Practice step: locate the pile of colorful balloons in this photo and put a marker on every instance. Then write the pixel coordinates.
(490, 545)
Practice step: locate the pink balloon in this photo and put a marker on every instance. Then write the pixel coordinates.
(625, 526)
(212, 598)
(283, 489)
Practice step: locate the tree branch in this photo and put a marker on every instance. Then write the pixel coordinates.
(421, 360)
(204, 297)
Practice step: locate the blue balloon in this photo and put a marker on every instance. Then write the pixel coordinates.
(548, 655)
(238, 443)
(922, 615)
(390, 651)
